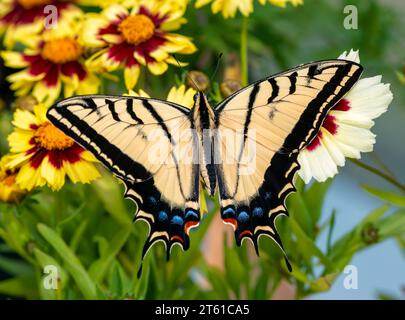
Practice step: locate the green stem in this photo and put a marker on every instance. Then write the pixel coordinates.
(243, 51)
(379, 173)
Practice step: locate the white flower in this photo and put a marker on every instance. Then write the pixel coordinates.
(346, 129)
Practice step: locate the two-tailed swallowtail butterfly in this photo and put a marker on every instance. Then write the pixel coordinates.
(246, 148)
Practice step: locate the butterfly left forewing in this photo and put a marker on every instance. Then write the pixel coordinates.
(272, 120)
(140, 140)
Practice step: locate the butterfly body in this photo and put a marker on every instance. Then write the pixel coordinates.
(203, 116)
(244, 149)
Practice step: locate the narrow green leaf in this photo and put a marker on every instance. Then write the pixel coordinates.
(330, 231)
(72, 263)
(99, 267)
(314, 197)
(235, 273)
(323, 283)
(387, 196)
(14, 266)
(393, 225)
(114, 203)
(21, 287)
(308, 245)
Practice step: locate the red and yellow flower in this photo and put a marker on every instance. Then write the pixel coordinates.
(44, 155)
(52, 64)
(21, 18)
(9, 190)
(137, 37)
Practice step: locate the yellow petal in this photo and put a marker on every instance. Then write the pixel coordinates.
(157, 68)
(13, 59)
(81, 171)
(19, 141)
(23, 119)
(89, 85)
(131, 76)
(55, 177)
(29, 178)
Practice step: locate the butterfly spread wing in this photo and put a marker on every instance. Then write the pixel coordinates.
(140, 141)
(272, 120)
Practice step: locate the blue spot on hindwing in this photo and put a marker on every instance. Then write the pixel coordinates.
(229, 211)
(152, 200)
(257, 212)
(191, 214)
(243, 217)
(162, 216)
(177, 220)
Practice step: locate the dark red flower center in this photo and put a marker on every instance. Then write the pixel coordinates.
(329, 124)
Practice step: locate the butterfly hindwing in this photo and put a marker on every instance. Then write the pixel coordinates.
(272, 120)
(139, 140)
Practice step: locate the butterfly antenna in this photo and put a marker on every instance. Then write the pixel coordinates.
(192, 80)
(216, 67)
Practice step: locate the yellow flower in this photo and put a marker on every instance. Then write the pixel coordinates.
(45, 155)
(137, 37)
(9, 190)
(179, 95)
(21, 18)
(52, 63)
(282, 3)
(228, 8)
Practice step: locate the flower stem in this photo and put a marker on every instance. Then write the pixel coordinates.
(243, 51)
(379, 173)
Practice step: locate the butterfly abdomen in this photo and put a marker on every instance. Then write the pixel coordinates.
(204, 120)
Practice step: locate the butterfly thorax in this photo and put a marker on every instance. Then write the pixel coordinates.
(204, 123)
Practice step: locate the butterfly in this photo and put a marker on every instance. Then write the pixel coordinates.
(244, 150)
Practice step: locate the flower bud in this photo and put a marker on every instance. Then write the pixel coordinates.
(229, 86)
(26, 103)
(369, 234)
(197, 80)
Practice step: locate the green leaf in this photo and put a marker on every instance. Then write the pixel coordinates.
(116, 286)
(235, 271)
(314, 197)
(330, 231)
(323, 283)
(387, 196)
(141, 285)
(72, 263)
(22, 287)
(14, 266)
(308, 245)
(344, 248)
(393, 225)
(99, 267)
(114, 203)
(217, 280)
